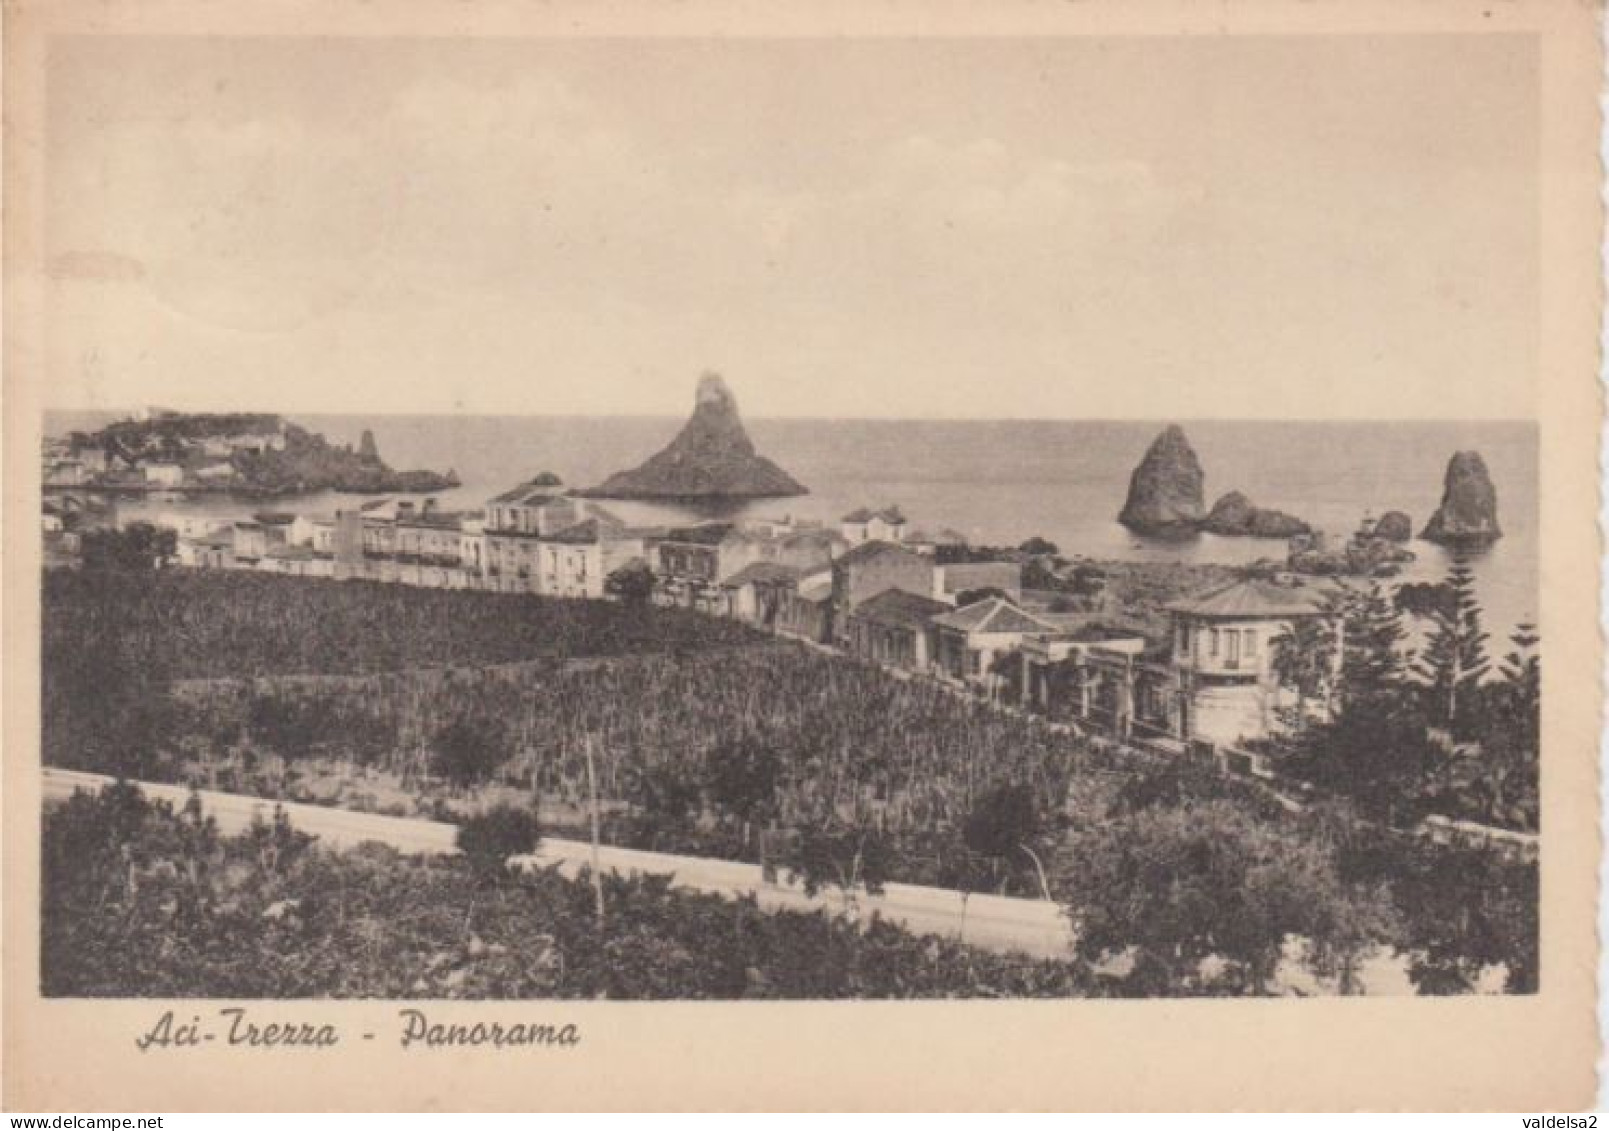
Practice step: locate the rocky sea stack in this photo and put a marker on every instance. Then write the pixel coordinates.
(1468, 511)
(1236, 515)
(711, 458)
(1165, 490)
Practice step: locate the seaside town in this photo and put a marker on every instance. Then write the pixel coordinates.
(1018, 625)
(843, 704)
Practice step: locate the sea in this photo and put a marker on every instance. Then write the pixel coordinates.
(995, 481)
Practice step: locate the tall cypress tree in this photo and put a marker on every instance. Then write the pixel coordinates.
(1454, 660)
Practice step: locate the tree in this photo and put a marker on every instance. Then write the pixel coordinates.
(632, 583)
(489, 839)
(468, 749)
(1304, 661)
(741, 777)
(1202, 898)
(1372, 664)
(1002, 828)
(1037, 546)
(823, 854)
(1454, 660)
(1374, 747)
(138, 546)
(1501, 784)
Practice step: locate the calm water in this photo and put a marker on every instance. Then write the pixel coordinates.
(1001, 481)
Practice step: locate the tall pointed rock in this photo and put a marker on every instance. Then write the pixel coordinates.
(1468, 511)
(1165, 490)
(711, 458)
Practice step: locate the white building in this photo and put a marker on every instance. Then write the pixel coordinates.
(865, 525)
(1224, 647)
(192, 525)
(164, 474)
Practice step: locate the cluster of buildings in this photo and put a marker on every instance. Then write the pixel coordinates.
(206, 462)
(1214, 682)
(871, 586)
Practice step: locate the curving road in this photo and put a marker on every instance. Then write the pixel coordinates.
(994, 922)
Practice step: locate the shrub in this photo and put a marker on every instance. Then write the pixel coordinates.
(489, 839)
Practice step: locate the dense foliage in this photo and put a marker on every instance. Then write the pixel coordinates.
(833, 771)
(137, 546)
(763, 734)
(200, 624)
(1409, 731)
(140, 901)
(1202, 898)
(488, 840)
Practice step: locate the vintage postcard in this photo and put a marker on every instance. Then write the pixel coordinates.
(851, 556)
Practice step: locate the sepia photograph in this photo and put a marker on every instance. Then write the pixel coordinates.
(529, 520)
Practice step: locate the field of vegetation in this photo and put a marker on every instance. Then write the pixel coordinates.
(188, 624)
(719, 743)
(145, 902)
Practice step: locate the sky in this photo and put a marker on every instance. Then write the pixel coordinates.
(1057, 228)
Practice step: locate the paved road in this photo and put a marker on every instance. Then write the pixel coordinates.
(995, 922)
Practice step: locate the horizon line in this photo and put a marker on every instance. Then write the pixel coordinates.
(290, 414)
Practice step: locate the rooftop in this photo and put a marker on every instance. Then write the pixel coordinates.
(526, 495)
(817, 591)
(1252, 598)
(897, 607)
(865, 551)
(993, 614)
(944, 536)
(763, 573)
(586, 531)
(890, 515)
(705, 534)
(450, 520)
(979, 575)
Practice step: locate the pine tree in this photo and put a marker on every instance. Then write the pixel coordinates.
(1522, 677)
(1455, 660)
(1512, 736)
(1304, 657)
(1372, 665)
(1373, 747)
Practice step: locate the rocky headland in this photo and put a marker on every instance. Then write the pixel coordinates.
(252, 454)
